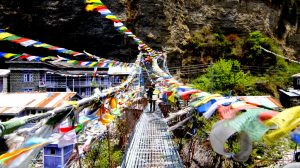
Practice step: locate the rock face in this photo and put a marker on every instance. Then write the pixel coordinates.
(66, 24)
(163, 24)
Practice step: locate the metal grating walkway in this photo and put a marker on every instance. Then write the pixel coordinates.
(151, 144)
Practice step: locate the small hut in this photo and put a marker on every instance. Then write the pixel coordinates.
(55, 157)
(291, 96)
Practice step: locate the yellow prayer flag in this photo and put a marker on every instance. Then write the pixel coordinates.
(171, 98)
(46, 58)
(109, 117)
(93, 64)
(41, 45)
(8, 157)
(90, 7)
(4, 35)
(9, 55)
(71, 61)
(93, 1)
(285, 121)
(207, 99)
(155, 91)
(105, 121)
(111, 17)
(113, 103)
(74, 104)
(110, 64)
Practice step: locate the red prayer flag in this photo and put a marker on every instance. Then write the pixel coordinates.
(66, 129)
(20, 40)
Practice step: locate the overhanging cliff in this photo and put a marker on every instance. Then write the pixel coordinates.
(163, 24)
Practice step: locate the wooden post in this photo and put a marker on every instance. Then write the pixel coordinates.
(108, 147)
(77, 150)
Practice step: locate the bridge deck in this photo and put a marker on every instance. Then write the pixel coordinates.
(151, 144)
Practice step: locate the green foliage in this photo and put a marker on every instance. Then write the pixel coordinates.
(247, 50)
(223, 76)
(94, 84)
(98, 156)
(213, 44)
(227, 75)
(254, 55)
(202, 38)
(267, 154)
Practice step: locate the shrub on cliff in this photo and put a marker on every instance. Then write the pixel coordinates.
(254, 55)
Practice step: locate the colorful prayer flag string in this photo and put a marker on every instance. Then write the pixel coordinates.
(26, 42)
(98, 6)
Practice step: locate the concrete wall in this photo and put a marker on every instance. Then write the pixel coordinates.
(1, 84)
(296, 84)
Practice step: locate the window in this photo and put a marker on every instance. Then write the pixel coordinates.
(28, 77)
(27, 89)
(52, 151)
(298, 81)
(88, 91)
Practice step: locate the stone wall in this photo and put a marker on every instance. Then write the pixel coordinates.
(17, 83)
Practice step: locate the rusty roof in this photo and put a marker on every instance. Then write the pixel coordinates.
(10, 110)
(4, 72)
(296, 75)
(13, 103)
(267, 101)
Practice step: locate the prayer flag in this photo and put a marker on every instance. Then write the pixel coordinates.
(94, 1)
(68, 138)
(111, 17)
(4, 35)
(28, 43)
(13, 37)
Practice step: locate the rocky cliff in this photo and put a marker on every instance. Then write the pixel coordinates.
(163, 24)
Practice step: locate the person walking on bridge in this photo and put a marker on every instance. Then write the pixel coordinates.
(150, 97)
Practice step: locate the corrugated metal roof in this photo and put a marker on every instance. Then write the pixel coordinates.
(267, 101)
(4, 72)
(296, 75)
(291, 92)
(10, 110)
(13, 103)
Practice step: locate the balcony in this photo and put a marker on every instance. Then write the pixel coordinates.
(81, 83)
(50, 84)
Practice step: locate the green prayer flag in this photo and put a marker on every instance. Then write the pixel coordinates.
(79, 128)
(13, 37)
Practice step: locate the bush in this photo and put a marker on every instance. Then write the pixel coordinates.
(98, 156)
(214, 44)
(254, 55)
(232, 37)
(223, 76)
